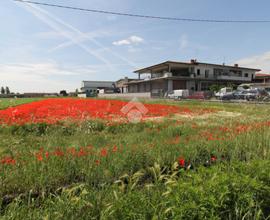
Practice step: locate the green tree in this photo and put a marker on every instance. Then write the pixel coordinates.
(7, 90)
(63, 93)
(232, 85)
(215, 88)
(2, 90)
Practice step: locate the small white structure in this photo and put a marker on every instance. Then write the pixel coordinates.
(178, 94)
(224, 91)
(94, 86)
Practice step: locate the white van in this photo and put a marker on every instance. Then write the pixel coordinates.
(224, 91)
(178, 94)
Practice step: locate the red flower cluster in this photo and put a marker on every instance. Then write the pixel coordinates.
(229, 133)
(187, 165)
(53, 110)
(8, 161)
(69, 153)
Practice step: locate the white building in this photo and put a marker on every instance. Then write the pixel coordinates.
(90, 87)
(193, 76)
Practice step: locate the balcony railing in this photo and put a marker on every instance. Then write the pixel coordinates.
(236, 78)
(169, 74)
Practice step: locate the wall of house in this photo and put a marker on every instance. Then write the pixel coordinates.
(210, 69)
(190, 85)
(140, 87)
(132, 88)
(179, 84)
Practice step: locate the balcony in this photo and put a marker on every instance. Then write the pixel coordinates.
(159, 75)
(234, 78)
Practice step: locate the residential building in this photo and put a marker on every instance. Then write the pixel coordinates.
(262, 78)
(162, 78)
(122, 84)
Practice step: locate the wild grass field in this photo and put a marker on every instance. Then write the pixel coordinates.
(5, 103)
(202, 161)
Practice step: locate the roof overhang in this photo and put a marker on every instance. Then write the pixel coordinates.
(160, 65)
(262, 75)
(167, 63)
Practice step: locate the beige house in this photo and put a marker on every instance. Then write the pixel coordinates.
(122, 84)
(162, 78)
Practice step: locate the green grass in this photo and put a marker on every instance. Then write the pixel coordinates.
(141, 179)
(9, 102)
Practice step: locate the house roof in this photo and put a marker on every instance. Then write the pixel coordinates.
(97, 84)
(166, 63)
(125, 79)
(262, 75)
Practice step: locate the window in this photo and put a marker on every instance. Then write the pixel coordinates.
(198, 72)
(180, 72)
(237, 73)
(246, 74)
(218, 72)
(207, 73)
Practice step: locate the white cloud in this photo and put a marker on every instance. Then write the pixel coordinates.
(38, 69)
(121, 42)
(42, 77)
(136, 39)
(131, 40)
(261, 61)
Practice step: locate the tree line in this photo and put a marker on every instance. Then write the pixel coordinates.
(5, 90)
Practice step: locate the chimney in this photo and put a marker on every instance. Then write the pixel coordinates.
(236, 65)
(193, 61)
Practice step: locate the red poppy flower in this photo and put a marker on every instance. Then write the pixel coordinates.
(181, 162)
(114, 149)
(104, 152)
(213, 158)
(47, 154)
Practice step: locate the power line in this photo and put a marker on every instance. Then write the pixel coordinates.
(144, 16)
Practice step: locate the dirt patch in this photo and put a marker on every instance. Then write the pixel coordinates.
(210, 115)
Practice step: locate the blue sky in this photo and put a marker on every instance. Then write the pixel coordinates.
(49, 49)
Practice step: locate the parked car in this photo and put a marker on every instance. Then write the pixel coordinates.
(251, 94)
(238, 94)
(228, 96)
(223, 91)
(256, 94)
(178, 94)
(267, 90)
(201, 95)
(233, 95)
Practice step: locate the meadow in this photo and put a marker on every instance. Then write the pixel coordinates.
(82, 159)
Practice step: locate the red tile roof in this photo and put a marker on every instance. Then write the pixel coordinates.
(263, 75)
